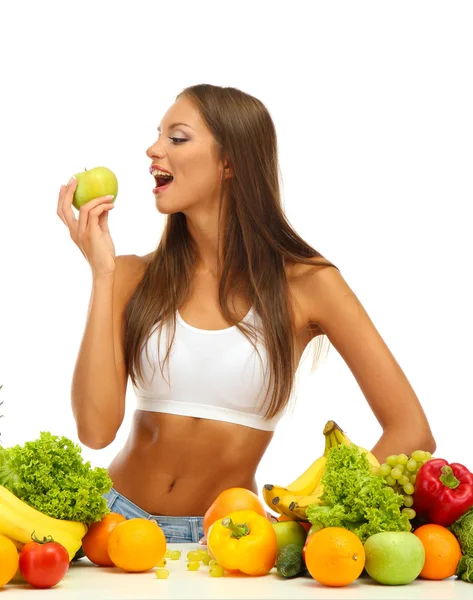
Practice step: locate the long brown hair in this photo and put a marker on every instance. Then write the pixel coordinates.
(257, 241)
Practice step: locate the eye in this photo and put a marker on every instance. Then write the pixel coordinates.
(177, 141)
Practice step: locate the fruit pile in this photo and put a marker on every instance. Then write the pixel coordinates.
(345, 516)
(409, 517)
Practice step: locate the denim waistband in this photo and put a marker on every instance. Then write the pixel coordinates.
(175, 528)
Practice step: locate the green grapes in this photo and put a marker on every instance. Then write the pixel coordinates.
(193, 555)
(409, 512)
(384, 470)
(403, 480)
(216, 571)
(400, 471)
(162, 573)
(402, 459)
(194, 565)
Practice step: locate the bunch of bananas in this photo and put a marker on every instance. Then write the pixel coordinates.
(292, 501)
(18, 521)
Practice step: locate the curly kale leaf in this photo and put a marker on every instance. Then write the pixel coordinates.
(462, 529)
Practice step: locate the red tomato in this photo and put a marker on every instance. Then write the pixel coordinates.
(43, 563)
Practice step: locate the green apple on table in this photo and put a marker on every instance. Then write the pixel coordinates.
(394, 557)
(289, 532)
(95, 183)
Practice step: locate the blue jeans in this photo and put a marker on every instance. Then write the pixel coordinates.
(176, 529)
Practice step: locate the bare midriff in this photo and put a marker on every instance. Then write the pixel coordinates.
(177, 465)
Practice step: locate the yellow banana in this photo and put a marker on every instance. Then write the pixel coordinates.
(18, 520)
(294, 507)
(306, 483)
(332, 428)
(303, 486)
(291, 501)
(271, 495)
(283, 502)
(18, 545)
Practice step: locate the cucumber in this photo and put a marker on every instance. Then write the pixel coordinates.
(79, 554)
(289, 562)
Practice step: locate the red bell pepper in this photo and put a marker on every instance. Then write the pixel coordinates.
(443, 492)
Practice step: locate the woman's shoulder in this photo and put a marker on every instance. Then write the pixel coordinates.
(297, 270)
(132, 263)
(129, 270)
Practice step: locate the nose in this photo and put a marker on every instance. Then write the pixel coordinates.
(154, 150)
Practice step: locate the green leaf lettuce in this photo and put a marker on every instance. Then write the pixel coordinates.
(50, 475)
(355, 498)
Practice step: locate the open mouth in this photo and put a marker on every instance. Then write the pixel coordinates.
(162, 182)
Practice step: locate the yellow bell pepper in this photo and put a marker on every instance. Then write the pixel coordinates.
(243, 541)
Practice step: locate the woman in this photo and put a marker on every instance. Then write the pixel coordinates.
(243, 295)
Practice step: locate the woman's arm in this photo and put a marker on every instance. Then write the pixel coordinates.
(332, 305)
(100, 378)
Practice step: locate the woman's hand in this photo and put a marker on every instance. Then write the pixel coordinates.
(90, 232)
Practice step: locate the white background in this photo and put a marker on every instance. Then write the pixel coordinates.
(372, 104)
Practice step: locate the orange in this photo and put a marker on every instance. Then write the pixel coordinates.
(8, 560)
(305, 524)
(95, 541)
(229, 501)
(334, 556)
(137, 545)
(442, 551)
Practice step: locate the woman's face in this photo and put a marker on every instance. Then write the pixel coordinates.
(190, 154)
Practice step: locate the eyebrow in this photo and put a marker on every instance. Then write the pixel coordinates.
(175, 125)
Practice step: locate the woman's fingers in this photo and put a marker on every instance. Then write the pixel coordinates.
(59, 210)
(103, 220)
(98, 216)
(89, 231)
(66, 211)
(89, 214)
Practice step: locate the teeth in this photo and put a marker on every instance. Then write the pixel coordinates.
(159, 173)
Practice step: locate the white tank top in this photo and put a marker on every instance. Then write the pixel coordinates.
(214, 375)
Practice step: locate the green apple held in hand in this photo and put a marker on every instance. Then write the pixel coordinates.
(94, 184)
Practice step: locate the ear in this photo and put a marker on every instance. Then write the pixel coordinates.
(228, 171)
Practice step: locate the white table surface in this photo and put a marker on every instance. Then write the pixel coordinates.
(86, 581)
